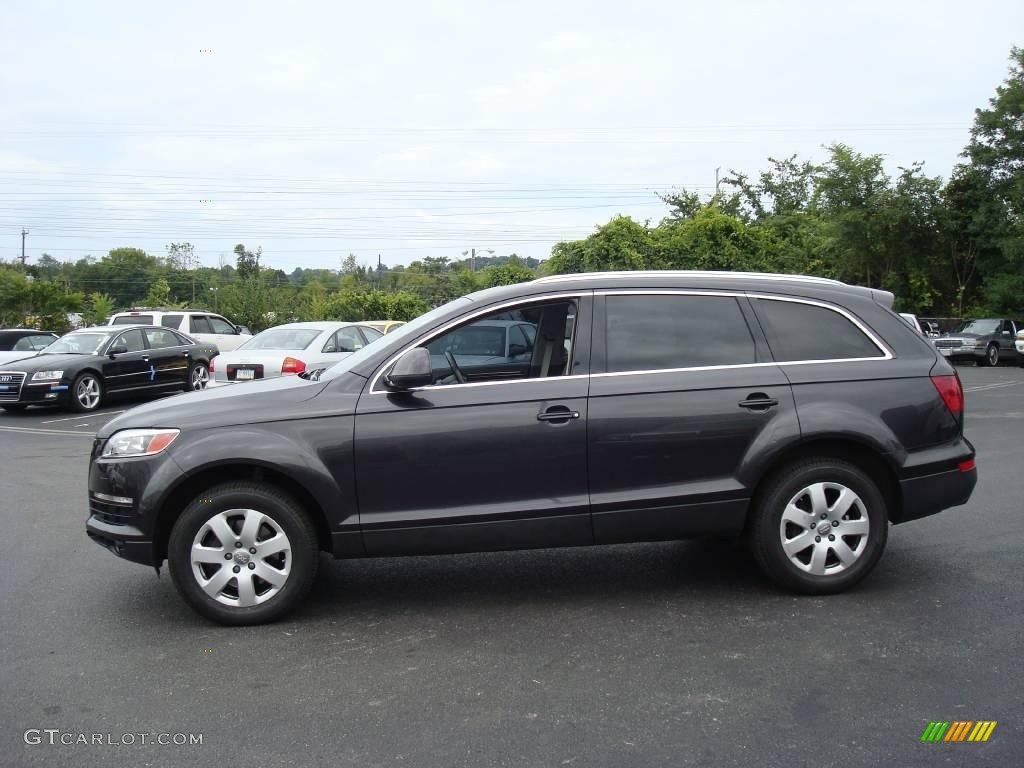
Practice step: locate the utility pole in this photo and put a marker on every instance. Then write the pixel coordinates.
(23, 233)
(716, 180)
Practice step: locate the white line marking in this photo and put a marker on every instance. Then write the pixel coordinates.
(999, 385)
(88, 416)
(32, 431)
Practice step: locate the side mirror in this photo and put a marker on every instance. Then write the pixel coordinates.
(120, 349)
(238, 330)
(514, 350)
(413, 369)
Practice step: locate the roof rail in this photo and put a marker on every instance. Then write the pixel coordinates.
(163, 309)
(687, 273)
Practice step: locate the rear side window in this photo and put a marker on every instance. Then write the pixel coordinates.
(161, 339)
(171, 321)
(199, 324)
(133, 320)
(657, 332)
(808, 332)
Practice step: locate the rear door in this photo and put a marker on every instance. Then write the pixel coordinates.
(168, 356)
(129, 369)
(683, 391)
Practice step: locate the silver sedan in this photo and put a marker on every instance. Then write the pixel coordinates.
(290, 348)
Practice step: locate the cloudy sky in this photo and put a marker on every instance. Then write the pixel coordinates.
(411, 129)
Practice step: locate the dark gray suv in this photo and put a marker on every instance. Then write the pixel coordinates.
(801, 413)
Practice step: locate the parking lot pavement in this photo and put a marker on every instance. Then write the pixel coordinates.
(643, 655)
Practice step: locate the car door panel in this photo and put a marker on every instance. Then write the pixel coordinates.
(127, 370)
(456, 468)
(169, 358)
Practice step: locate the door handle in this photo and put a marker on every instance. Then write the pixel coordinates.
(145, 358)
(758, 402)
(558, 413)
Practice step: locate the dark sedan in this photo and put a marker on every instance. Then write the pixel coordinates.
(84, 368)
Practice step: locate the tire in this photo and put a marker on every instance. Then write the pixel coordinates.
(992, 355)
(820, 567)
(194, 384)
(79, 402)
(221, 513)
(20, 408)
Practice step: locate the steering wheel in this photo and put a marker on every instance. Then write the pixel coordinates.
(459, 375)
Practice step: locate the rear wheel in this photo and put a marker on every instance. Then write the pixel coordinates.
(992, 355)
(243, 553)
(86, 393)
(819, 526)
(198, 377)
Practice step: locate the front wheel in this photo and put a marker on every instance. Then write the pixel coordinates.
(819, 526)
(198, 377)
(86, 393)
(243, 553)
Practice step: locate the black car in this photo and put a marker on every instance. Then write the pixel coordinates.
(81, 369)
(985, 341)
(802, 413)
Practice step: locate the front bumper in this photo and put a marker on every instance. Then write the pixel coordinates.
(962, 353)
(47, 393)
(125, 498)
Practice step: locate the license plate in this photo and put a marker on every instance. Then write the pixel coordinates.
(244, 374)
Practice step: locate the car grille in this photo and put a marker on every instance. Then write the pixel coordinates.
(112, 514)
(949, 343)
(10, 386)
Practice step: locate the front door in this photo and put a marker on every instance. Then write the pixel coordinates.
(493, 454)
(681, 392)
(131, 368)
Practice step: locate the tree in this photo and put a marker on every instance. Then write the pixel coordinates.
(98, 309)
(247, 263)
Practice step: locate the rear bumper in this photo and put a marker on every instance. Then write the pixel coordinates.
(939, 484)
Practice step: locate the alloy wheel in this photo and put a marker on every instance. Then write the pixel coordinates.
(993, 355)
(200, 377)
(824, 528)
(88, 393)
(241, 557)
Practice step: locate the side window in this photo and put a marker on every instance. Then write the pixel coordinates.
(161, 339)
(171, 321)
(1008, 327)
(349, 339)
(518, 344)
(479, 351)
(32, 343)
(199, 324)
(808, 332)
(220, 325)
(132, 340)
(657, 332)
(370, 334)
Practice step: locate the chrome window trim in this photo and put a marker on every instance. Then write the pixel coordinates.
(886, 353)
(523, 300)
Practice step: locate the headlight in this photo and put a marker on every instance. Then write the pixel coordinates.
(980, 344)
(46, 375)
(138, 442)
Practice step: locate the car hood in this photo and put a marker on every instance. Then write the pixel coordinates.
(260, 401)
(46, 362)
(9, 357)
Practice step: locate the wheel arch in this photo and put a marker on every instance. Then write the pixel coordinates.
(868, 458)
(190, 486)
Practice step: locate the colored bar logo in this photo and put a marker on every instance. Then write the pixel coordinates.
(959, 730)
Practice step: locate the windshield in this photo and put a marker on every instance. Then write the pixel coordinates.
(78, 344)
(395, 339)
(980, 327)
(282, 338)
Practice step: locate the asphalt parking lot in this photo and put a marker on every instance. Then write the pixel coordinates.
(642, 655)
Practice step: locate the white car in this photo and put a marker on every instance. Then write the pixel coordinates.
(18, 343)
(204, 327)
(291, 348)
(1018, 342)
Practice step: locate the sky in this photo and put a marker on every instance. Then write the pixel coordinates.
(412, 129)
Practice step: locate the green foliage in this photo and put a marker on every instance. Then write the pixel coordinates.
(98, 309)
(375, 305)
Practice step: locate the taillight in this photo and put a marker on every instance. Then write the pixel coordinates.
(951, 392)
(211, 364)
(292, 365)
